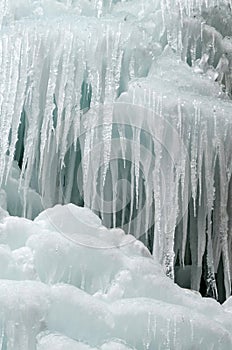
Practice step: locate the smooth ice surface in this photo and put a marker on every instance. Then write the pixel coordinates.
(57, 294)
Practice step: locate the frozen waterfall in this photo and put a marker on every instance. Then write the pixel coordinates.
(115, 169)
(124, 107)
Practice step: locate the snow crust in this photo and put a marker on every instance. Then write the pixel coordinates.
(56, 293)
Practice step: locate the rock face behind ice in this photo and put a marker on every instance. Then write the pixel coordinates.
(58, 293)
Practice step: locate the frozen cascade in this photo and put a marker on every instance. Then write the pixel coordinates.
(126, 105)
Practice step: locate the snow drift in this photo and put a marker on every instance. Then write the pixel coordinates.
(83, 286)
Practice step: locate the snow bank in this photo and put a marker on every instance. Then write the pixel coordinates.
(60, 290)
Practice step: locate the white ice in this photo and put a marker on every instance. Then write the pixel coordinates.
(99, 107)
(58, 293)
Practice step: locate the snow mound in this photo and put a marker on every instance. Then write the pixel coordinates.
(58, 293)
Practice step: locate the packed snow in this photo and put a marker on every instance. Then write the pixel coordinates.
(67, 282)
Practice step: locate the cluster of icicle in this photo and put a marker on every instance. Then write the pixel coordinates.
(72, 91)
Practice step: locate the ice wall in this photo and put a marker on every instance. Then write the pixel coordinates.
(99, 106)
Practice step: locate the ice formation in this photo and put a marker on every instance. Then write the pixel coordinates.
(124, 107)
(68, 282)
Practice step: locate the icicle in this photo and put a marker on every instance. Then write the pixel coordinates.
(114, 176)
(3, 11)
(19, 99)
(32, 109)
(137, 165)
(223, 223)
(68, 102)
(63, 76)
(158, 244)
(194, 150)
(107, 137)
(4, 91)
(131, 193)
(86, 163)
(211, 282)
(201, 228)
(47, 125)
